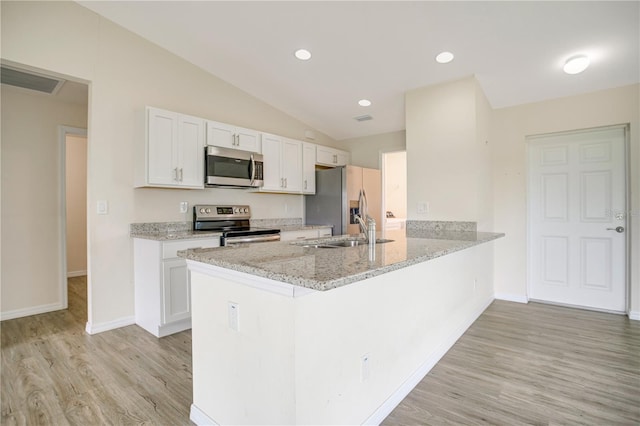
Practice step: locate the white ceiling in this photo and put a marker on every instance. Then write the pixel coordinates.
(380, 50)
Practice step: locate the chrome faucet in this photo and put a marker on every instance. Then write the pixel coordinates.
(365, 228)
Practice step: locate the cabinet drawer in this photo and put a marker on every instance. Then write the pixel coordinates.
(170, 250)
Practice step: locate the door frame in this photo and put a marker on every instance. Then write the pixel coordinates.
(63, 131)
(529, 141)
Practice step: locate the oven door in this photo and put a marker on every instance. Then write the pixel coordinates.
(231, 241)
(232, 168)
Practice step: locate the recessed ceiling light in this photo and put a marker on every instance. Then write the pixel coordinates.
(364, 102)
(444, 57)
(576, 64)
(303, 54)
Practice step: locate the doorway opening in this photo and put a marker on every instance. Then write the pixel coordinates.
(577, 218)
(73, 144)
(394, 189)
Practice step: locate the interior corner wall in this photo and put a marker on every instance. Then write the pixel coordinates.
(366, 151)
(31, 184)
(447, 160)
(125, 73)
(509, 130)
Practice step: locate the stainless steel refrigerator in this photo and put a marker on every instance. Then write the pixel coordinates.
(341, 193)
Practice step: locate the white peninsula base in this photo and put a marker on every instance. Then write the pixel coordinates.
(343, 356)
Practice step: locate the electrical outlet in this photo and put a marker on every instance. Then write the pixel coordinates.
(365, 368)
(234, 316)
(423, 208)
(184, 207)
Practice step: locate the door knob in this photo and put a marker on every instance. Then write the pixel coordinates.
(618, 229)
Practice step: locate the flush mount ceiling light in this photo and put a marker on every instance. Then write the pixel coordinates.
(364, 102)
(303, 54)
(576, 64)
(444, 57)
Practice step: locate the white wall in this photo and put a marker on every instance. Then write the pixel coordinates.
(448, 161)
(76, 199)
(510, 127)
(366, 151)
(125, 73)
(32, 200)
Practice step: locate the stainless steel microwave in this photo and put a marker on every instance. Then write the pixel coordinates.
(232, 168)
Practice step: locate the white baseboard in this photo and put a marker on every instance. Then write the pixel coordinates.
(200, 418)
(109, 325)
(511, 297)
(71, 274)
(634, 315)
(396, 398)
(32, 310)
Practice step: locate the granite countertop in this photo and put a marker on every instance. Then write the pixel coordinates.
(327, 268)
(175, 235)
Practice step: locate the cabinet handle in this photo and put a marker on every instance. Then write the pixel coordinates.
(281, 183)
(175, 174)
(335, 158)
(285, 182)
(180, 174)
(305, 184)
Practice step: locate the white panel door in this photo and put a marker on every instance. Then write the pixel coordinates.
(191, 151)
(577, 205)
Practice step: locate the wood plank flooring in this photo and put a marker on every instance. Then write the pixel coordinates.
(53, 373)
(533, 364)
(518, 364)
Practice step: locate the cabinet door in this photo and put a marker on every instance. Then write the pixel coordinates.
(176, 303)
(298, 235)
(291, 165)
(332, 157)
(343, 158)
(271, 151)
(162, 134)
(220, 134)
(190, 151)
(326, 156)
(247, 140)
(308, 168)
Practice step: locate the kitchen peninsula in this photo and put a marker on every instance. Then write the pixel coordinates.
(308, 333)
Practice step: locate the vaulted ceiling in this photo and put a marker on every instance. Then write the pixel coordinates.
(380, 50)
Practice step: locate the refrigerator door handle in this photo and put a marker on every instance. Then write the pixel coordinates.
(364, 210)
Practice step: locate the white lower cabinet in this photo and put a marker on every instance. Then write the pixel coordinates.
(162, 289)
(304, 234)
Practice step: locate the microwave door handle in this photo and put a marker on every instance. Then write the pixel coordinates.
(252, 168)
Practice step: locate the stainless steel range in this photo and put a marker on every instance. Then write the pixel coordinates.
(233, 222)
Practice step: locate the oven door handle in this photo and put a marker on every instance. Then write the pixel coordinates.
(251, 239)
(252, 170)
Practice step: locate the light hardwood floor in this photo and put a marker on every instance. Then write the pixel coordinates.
(518, 364)
(53, 373)
(533, 364)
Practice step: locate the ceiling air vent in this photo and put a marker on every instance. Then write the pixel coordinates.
(366, 117)
(29, 80)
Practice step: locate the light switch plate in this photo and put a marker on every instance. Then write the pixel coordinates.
(102, 207)
(184, 206)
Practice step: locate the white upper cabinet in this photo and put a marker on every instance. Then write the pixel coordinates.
(174, 150)
(308, 168)
(282, 164)
(331, 157)
(229, 136)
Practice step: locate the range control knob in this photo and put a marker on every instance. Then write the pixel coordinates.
(202, 210)
(246, 210)
(208, 210)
